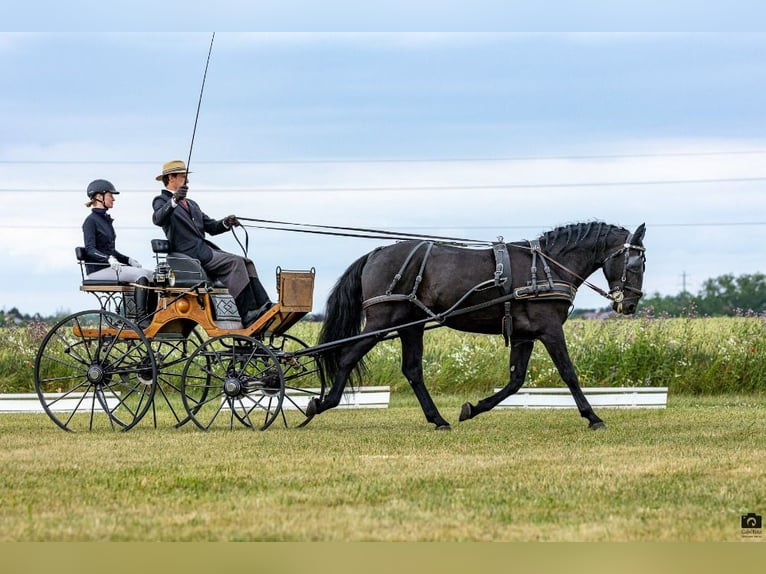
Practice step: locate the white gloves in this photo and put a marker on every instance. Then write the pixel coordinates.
(133, 263)
(114, 264)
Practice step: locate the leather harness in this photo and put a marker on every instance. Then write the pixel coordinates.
(502, 279)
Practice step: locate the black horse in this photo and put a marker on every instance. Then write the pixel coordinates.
(522, 290)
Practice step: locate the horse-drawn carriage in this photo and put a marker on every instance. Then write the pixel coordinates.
(190, 359)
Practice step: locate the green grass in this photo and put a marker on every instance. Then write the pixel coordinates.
(685, 473)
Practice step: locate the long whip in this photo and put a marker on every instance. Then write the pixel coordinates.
(199, 104)
(194, 133)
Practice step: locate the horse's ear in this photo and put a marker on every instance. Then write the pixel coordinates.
(638, 234)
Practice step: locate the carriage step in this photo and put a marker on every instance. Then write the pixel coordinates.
(602, 397)
(30, 402)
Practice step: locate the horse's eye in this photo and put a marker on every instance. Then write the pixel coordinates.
(636, 263)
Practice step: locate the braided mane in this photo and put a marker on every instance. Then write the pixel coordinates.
(591, 233)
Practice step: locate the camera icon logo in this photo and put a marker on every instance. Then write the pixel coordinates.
(752, 520)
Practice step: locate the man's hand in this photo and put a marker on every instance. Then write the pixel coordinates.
(180, 193)
(114, 264)
(231, 221)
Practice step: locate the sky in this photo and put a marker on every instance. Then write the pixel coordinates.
(467, 134)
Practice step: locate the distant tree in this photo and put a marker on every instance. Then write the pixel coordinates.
(729, 295)
(723, 295)
(683, 304)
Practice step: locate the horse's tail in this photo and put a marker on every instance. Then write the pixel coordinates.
(343, 319)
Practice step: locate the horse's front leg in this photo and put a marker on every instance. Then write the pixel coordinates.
(412, 368)
(557, 349)
(521, 351)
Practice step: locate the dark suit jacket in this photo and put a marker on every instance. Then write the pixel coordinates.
(185, 228)
(98, 232)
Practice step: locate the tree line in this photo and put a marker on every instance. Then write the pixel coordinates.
(723, 296)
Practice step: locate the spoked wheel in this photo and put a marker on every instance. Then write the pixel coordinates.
(304, 379)
(95, 370)
(232, 378)
(171, 352)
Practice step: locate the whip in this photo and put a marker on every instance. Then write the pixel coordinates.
(199, 104)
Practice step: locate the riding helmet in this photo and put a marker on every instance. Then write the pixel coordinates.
(100, 186)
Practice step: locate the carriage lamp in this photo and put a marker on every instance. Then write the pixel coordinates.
(164, 275)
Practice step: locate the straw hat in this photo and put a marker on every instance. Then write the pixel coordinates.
(174, 166)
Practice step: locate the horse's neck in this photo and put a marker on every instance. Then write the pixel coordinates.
(580, 261)
(585, 259)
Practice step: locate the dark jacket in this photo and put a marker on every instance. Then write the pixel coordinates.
(185, 228)
(100, 237)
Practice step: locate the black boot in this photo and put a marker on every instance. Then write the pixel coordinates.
(248, 311)
(140, 296)
(262, 301)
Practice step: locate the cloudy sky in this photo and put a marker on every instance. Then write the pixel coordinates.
(472, 135)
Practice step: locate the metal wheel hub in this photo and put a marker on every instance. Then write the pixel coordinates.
(95, 374)
(232, 386)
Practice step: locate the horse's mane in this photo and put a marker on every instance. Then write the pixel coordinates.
(574, 234)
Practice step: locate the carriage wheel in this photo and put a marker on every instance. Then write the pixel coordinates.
(171, 352)
(95, 370)
(232, 378)
(304, 379)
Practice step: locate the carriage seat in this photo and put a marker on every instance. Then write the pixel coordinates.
(81, 256)
(188, 271)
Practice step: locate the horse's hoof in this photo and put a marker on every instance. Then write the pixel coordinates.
(466, 412)
(597, 425)
(311, 409)
(445, 426)
(306, 421)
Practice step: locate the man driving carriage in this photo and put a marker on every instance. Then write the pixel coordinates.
(185, 225)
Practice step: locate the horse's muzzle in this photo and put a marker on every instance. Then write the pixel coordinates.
(622, 305)
(625, 307)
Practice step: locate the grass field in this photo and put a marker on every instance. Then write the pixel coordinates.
(686, 473)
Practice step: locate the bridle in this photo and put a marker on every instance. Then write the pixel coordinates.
(616, 293)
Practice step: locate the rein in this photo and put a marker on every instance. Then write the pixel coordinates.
(246, 247)
(361, 232)
(615, 295)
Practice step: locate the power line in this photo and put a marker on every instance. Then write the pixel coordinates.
(437, 227)
(392, 159)
(429, 187)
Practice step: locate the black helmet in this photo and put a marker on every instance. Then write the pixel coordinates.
(100, 186)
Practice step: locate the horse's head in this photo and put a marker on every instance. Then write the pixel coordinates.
(624, 270)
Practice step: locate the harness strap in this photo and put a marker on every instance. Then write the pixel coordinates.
(534, 246)
(387, 298)
(403, 268)
(504, 281)
(559, 290)
(507, 326)
(419, 277)
(503, 277)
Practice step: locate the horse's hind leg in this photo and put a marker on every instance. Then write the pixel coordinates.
(520, 354)
(349, 358)
(412, 368)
